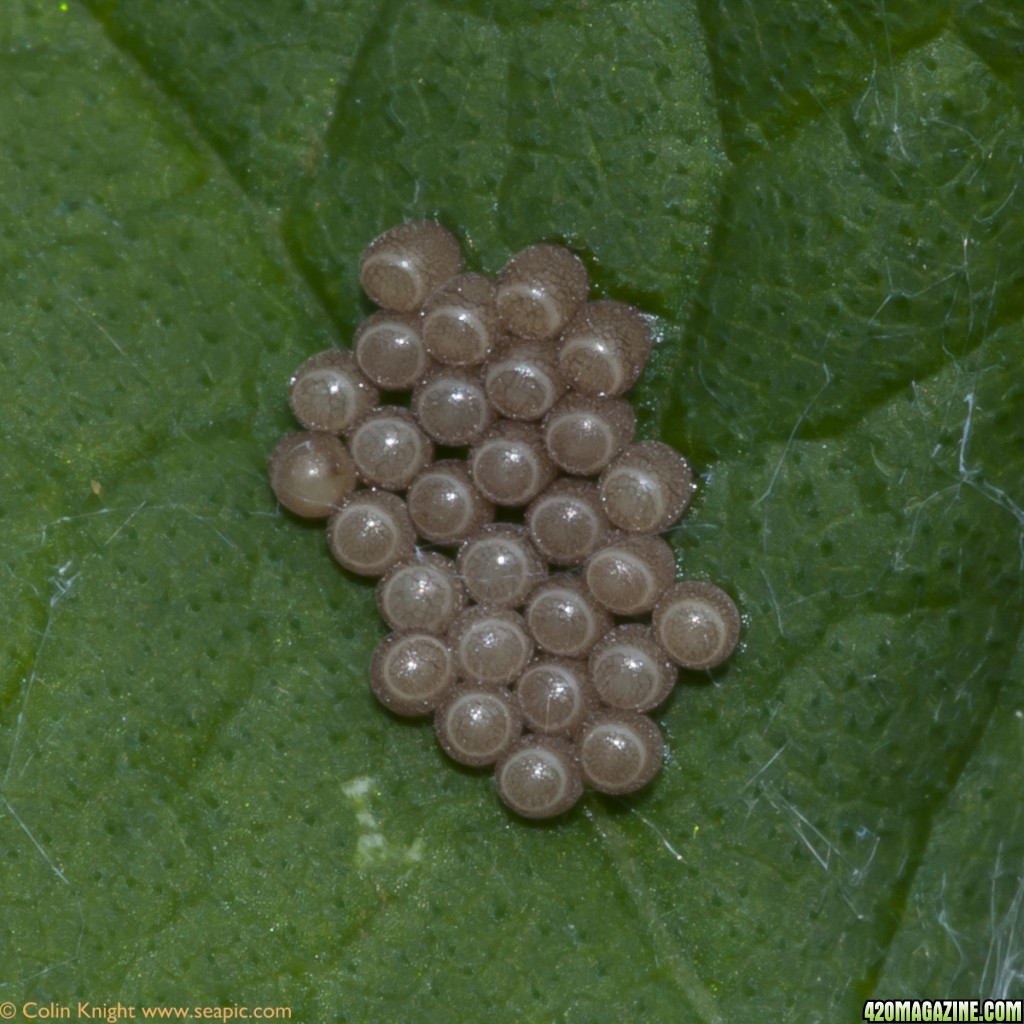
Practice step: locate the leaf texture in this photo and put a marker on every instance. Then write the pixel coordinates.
(201, 803)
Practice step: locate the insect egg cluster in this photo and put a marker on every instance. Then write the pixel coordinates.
(475, 452)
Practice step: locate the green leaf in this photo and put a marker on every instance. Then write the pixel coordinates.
(201, 803)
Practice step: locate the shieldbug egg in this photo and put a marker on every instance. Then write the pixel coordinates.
(371, 532)
(554, 695)
(539, 290)
(311, 473)
(539, 777)
(491, 645)
(329, 392)
(522, 380)
(411, 673)
(452, 407)
(647, 488)
(630, 572)
(423, 593)
(509, 464)
(564, 618)
(620, 751)
(566, 522)
(499, 566)
(389, 448)
(583, 434)
(390, 351)
(475, 726)
(460, 320)
(697, 623)
(402, 266)
(444, 505)
(604, 349)
(630, 670)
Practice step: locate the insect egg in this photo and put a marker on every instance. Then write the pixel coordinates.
(511, 626)
(475, 726)
(371, 532)
(583, 434)
(630, 670)
(620, 751)
(389, 448)
(539, 290)
(444, 505)
(329, 392)
(566, 522)
(604, 349)
(491, 645)
(697, 623)
(647, 488)
(401, 267)
(411, 673)
(554, 695)
(390, 351)
(630, 572)
(311, 473)
(509, 464)
(564, 618)
(522, 381)
(460, 320)
(452, 406)
(423, 593)
(539, 777)
(499, 565)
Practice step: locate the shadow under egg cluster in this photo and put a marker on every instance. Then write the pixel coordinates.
(539, 643)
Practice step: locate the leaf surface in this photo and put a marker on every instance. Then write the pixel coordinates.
(201, 803)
